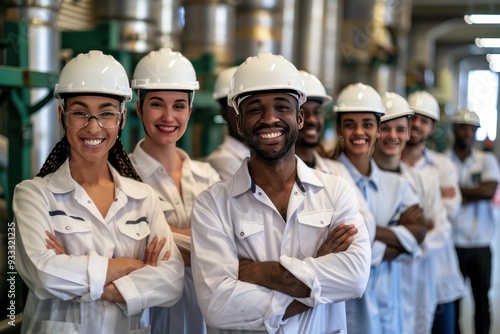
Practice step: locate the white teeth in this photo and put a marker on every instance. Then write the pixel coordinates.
(271, 135)
(93, 142)
(359, 141)
(166, 128)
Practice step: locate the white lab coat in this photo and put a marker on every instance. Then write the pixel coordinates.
(65, 290)
(196, 176)
(235, 219)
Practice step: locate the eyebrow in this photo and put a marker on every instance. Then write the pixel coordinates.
(277, 98)
(101, 106)
(160, 99)
(353, 120)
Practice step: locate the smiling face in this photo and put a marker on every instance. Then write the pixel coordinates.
(270, 124)
(165, 115)
(422, 128)
(393, 137)
(359, 132)
(92, 142)
(310, 134)
(465, 135)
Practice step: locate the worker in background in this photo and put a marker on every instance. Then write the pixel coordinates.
(418, 157)
(474, 226)
(392, 201)
(91, 244)
(310, 139)
(227, 158)
(278, 247)
(419, 280)
(165, 82)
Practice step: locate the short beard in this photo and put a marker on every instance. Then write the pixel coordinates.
(273, 156)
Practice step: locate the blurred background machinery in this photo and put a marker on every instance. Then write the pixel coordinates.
(398, 46)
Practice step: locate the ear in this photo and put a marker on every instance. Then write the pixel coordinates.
(190, 110)
(300, 118)
(238, 126)
(138, 110)
(60, 116)
(124, 118)
(378, 132)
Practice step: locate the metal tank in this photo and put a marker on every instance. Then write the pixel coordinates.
(44, 45)
(209, 28)
(168, 16)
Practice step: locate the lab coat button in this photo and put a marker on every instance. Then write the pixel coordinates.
(89, 201)
(137, 234)
(116, 199)
(66, 228)
(260, 194)
(242, 233)
(321, 222)
(295, 193)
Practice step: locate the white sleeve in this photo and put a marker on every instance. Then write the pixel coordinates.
(491, 171)
(49, 275)
(448, 177)
(339, 276)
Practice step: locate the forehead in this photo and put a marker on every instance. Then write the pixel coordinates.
(421, 117)
(92, 100)
(267, 97)
(358, 117)
(167, 94)
(397, 122)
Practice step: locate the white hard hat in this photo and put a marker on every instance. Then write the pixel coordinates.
(165, 70)
(93, 72)
(465, 116)
(395, 107)
(265, 72)
(223, 83)
(424, 103)
(314, 88)
(359, 98)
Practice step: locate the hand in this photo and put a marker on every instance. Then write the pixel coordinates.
(338, 240)
(153, 251)
(448, 192)
(413, 215)
(112, 294)
(245, 272)
(54, 244)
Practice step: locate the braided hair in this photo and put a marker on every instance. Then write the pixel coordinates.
(117, 157)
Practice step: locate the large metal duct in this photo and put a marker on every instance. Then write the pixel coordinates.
(319, 23)
(209, 28)
(374, 45)
(265, 26)
(167, 15)
(137, 22)
(43, 44)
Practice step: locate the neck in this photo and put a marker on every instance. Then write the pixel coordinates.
(386, 162)
(89, 173)
(273, 174)
(362, 164)
(462, 152)
(167, 155)
(306, 154)
(412, 153)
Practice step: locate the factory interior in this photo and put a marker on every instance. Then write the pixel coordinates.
(393, 45)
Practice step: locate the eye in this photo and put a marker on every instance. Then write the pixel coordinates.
(368, 125)
(283, 107)
(180, 106)
(108, 114)
(79, 114)
(156, 104)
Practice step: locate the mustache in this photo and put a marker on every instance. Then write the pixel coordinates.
(260, 127)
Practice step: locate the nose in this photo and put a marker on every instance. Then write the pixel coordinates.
(358, 129)
(93, 124)
(269, 116)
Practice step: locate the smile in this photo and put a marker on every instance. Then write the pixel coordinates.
(271, 135)
(93, 142)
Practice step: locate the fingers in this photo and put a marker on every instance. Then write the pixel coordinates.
(54, 244)
(166, 256)
(153, 251)
(338, 240)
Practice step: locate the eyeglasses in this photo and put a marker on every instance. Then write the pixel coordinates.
(80, 119)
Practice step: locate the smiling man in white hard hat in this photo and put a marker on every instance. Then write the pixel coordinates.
(474, 226)
(278, 247)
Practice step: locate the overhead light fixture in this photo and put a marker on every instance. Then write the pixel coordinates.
(488, 42)
(493, 58)
(482, 19)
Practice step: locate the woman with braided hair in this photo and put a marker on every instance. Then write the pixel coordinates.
(92, 243)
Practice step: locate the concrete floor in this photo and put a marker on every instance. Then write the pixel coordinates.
(467, 312)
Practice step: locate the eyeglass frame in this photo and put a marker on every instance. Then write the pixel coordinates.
(90, 116)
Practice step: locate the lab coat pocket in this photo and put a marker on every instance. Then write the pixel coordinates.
(251, 237)
(133, 237)
(313, 230)
(53, 327)
(166, 207)
(74, 234)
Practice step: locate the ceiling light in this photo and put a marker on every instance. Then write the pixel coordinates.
(495, 67)
(482, 19)
(493, 58)
(488, 42)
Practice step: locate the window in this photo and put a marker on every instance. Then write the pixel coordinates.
(482, 97)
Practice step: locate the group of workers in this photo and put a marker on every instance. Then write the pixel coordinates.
(266, 234)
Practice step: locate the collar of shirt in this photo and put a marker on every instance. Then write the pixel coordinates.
(472, 157)
(61, 182)
(149, 165)
(244, 183)
(359, 179)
